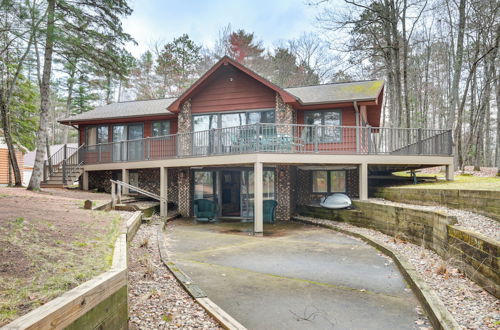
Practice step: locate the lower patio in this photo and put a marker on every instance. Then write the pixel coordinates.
(295, 277)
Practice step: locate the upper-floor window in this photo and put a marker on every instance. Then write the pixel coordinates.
(161, 128)
(326, 124)
(102, 134)
(96, 135)
(329, 181)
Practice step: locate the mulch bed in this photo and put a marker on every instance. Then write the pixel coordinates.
(156, 299)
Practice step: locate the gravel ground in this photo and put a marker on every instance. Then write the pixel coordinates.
(156, 299)
(467, 220)
(470, 305)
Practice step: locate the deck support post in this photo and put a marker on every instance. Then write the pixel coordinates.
(126, 180)
(163, 191)
(118, 194)
(450, 172)
(113, 195)
(363, 181)
(85, 180)
(258, 224)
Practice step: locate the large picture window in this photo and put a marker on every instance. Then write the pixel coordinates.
(231, 119)
(326, 124)
(329, 181)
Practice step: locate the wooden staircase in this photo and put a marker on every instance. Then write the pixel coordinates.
(63, 168)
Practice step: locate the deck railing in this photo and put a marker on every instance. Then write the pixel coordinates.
(276, 138)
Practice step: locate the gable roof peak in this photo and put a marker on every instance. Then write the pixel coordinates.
(226, 60)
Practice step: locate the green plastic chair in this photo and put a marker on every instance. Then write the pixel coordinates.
(204, 209)
(269, 211)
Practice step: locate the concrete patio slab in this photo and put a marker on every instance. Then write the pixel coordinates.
(296, 277)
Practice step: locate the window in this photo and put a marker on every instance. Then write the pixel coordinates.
(90, 136)
(204, 185)
(102, 134)
(329, 181)
(323, 122)
(231, 119)
(161, 128)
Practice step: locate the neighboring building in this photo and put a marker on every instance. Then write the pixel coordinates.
(5, 167)
(237, 139)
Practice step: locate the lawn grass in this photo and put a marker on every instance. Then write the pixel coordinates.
(54, 265)
(462, 182)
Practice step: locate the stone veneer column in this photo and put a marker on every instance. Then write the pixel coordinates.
(184, 148)
(184, 142)
(184, 192)
(285, 114)
(284, 192)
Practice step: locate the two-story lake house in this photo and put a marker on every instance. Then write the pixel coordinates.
(237, 140)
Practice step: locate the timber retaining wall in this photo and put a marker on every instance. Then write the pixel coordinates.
(100, 303)
(485, 202)
(477, 256)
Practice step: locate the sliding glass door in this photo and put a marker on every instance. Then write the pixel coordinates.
(247, 190)
(135, 144)
(127, 145)
(119, 149)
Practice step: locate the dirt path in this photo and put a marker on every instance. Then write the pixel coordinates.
(157, 301)
(48, 245)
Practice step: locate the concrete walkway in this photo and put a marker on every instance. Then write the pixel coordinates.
(296, 277)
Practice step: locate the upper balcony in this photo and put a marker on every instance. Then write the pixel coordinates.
(275, 138)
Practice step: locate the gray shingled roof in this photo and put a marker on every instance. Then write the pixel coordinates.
(338, 92)
(328, 93)
(125, 109)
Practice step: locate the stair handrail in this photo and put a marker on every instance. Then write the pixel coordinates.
(139, 190)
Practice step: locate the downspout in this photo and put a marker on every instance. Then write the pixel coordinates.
(355, 103)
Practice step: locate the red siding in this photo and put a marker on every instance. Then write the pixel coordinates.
(230, 89)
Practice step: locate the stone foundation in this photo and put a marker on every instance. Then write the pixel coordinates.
(100, 180)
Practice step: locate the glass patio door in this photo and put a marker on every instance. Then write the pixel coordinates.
(247, 190)
(119, 149)
(136, 144)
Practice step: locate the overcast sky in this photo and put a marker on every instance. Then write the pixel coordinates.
(163, 20)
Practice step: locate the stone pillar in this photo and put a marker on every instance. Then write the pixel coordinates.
(163, 191)
(184, 140)
(258, 223)
(283, 193)
(125, 179)
(450, 172)
(185, 192)
(363, 181)
(284, 114)
(85, 180)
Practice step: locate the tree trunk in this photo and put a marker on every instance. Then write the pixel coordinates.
(497, 153)
(36, 176)
(69, 100)
(457, 64)
(8, 140)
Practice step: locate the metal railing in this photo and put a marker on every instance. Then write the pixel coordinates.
(275, 138)
(66, 160)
